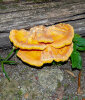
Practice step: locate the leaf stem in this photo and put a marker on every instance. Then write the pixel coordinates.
(9, 62)
(2, 65)
(10, 54)
(79, 79)
(79, 83)
(0, 57)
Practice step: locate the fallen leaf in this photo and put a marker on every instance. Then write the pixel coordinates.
(26, 96)
(71, 73)
(83, 98)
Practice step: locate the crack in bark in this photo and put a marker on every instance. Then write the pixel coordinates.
(70, 20)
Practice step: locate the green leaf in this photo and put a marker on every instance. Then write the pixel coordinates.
(10, 54)
(76, 60)
(80, 48)
(9, 62)
(16, 51)
(74, 47)
(76, 35)
(79, 41)
(2, 65)
(53, 63)
(0, 57)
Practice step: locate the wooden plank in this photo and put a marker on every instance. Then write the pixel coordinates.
(4, 41)
(25, 15)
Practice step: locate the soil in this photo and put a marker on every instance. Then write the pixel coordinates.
(51, 82)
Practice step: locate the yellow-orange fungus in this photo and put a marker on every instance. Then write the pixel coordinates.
(43, 44)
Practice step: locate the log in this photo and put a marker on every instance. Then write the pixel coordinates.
(26, 15)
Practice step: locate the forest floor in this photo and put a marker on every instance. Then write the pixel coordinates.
(47, 83)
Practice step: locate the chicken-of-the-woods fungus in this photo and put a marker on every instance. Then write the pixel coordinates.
(43, 44)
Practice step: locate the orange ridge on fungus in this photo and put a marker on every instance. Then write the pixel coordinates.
(39, 36)
(62, 34)
(39, 57)
(23, 39)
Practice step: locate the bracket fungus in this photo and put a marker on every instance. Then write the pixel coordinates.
(43, 44)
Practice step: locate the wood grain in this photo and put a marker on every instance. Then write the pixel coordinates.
(26, 15)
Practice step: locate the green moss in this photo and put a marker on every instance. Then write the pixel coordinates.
(33, 96)
(1, 0)
(66, 86)
(59, 84)
(19, 93)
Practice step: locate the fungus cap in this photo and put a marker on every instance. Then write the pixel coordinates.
(24, 40)
(62, 34)
(39, 36)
